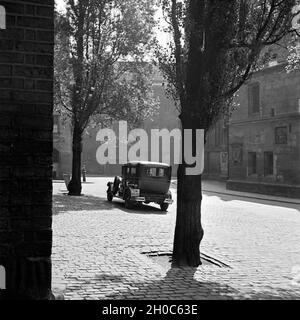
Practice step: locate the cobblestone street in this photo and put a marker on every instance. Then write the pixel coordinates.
(98, 246)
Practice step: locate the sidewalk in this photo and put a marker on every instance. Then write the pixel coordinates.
(219, 187)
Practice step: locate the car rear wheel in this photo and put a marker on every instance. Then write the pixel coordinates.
(109, 196)
(164, 206)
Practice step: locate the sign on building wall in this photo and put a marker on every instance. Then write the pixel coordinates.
(2, 17)
(237, 153)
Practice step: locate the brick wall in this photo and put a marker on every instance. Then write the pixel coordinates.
(26, 105)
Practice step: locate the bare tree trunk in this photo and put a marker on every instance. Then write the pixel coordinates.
(188, 231)
(74, 186)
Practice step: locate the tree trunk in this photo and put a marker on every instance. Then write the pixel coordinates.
(188, 230)
(74, 186)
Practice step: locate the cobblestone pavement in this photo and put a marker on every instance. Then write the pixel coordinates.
(98, 246)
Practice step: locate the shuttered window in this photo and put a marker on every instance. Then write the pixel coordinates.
(252, 168)
(268, 163)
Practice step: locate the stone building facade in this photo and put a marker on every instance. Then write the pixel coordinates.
(216, 151)
(26, 107)
(261, 144)
(264, 134)
(166, 118)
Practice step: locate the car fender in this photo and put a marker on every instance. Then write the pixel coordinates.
(109, 186)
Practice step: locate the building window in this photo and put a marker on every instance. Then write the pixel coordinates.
(252, 163)
(254, 98)
(281, 135)
(268, 163)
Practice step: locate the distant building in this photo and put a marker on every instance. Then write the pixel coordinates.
(257, 149)
(167, 118)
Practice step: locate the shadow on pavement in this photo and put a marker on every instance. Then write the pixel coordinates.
(62, 181)
(276, 294)
(64, 203)
(139, 209)
(179, 283)
(228, 198)
(109, 277)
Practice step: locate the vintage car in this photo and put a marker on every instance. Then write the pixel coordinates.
(142, 182)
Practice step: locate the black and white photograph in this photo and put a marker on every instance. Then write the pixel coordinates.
(149, 151)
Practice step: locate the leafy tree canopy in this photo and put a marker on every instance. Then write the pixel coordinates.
(100, 49)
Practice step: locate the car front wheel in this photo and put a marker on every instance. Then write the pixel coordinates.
(109, 196)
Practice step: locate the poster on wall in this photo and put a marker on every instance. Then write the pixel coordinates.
(237, 153)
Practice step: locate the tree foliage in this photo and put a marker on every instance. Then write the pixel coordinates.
(100, 50)
(218, 43)
(100, 69)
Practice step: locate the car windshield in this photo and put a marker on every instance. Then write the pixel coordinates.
(156, 172)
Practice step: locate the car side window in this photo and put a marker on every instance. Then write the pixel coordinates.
(151, 172)
(161, 172)
(133, 171)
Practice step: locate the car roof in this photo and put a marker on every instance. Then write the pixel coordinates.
(147, 163)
